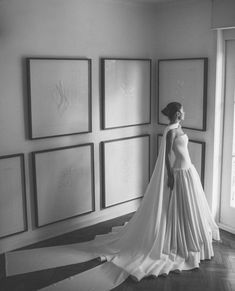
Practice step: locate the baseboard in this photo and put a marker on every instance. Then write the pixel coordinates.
(98, 221)
(40, 234)
(226, 227)
(2, 267)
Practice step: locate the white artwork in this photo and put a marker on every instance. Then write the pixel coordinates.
(64, 183)
(126, 92)
(184, 81)
(60, 100)
(12, 195)
(197, 155)
(125, 169)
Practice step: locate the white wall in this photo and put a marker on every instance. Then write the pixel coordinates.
(71, 28)
(94, 29)
(184, 30)
(223, 13)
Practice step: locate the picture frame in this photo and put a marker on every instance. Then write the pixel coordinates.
(13, 210)
(184, 81)
(197, 152)
(63, 183)
(59, 95)
(126, 91)
(125, 169)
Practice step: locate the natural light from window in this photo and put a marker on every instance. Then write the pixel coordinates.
(232, 201)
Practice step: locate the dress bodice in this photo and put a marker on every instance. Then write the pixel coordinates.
(180, 149)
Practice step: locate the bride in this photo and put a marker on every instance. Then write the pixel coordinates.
(172, 230)
(173, 227)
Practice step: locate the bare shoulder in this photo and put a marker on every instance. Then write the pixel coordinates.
(171, 134)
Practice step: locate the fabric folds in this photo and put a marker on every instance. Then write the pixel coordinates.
(171, 230)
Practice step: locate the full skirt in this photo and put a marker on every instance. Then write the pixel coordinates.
(171, 230)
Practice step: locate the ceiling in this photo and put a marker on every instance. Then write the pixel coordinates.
(155, 1)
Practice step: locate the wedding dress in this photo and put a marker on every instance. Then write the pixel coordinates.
(171, 230)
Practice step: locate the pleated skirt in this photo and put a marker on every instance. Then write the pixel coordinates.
(186, 232)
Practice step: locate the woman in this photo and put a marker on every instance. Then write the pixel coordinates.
(192, 237)
(172, 230)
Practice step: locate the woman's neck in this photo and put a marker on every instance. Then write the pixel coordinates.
(174, 122)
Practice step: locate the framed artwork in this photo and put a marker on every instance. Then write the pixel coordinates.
(126, 92)
(125, 169)
(59, 96)
(197, 151)
(13, 217)
(64, 183)
(184, 81)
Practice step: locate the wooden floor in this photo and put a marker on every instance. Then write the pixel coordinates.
(217, 274)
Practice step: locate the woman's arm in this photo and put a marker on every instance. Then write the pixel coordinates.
(169, 141)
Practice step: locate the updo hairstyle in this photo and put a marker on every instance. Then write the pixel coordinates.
(171, 109)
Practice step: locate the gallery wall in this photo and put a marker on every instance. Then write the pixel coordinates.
(69, 29)
(184, 30)
(93, 29)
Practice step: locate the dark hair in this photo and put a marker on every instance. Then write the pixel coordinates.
(171, 109)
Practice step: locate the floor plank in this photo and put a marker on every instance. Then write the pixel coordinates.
(217, 274)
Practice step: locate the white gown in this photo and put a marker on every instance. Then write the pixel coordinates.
(171, 230)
